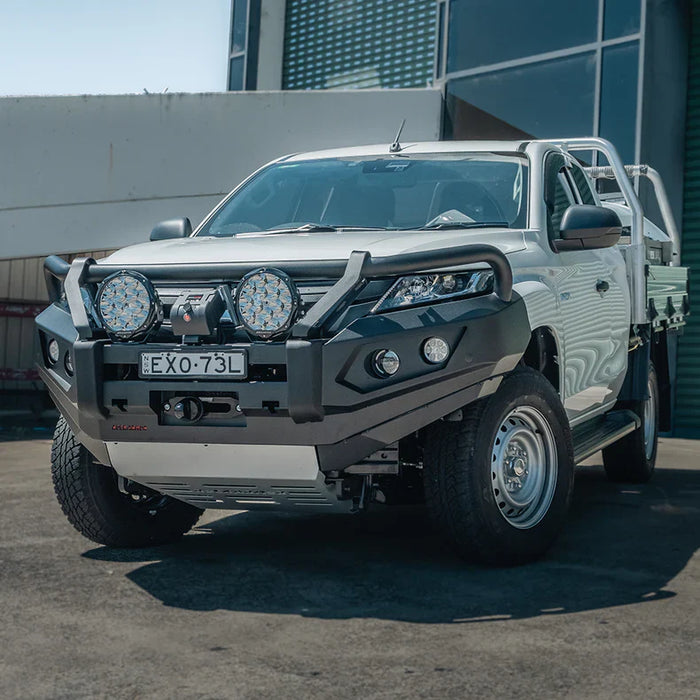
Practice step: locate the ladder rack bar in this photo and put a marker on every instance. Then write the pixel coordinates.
(606, 172)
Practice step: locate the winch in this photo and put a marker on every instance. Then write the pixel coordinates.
(197, 313)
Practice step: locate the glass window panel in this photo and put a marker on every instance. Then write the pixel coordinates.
(482, 32)
(546, 100)
(556, 207)
(373, 43)
(240, 23)
(557, 193)
(235, 78)
(621, 18)
(378, 191)
(618, 97)
(583, 185)
(585, 158)
(252, 45)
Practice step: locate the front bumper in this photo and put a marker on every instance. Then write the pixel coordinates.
(327, 397)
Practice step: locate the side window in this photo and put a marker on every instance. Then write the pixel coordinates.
(583, 185)
(557, 192)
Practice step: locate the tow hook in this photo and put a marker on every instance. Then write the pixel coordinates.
(188, 409)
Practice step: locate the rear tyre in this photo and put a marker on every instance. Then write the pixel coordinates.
(498, 484)
(632, 459)
(91, 499)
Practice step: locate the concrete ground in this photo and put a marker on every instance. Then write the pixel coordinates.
(258, 606)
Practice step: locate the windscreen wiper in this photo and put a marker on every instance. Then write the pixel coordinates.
(305, 228)
(317, 228)
(443, 225)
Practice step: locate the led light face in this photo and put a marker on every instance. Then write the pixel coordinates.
(436, 350)
(386, 363)
(423, 289)
(127, 304)
(266, 301)
(53, 351)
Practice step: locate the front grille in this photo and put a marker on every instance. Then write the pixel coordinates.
(311, 291)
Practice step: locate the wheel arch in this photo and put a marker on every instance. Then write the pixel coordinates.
(659, 348)
(542, 354)
(545, 349)
(663, 355)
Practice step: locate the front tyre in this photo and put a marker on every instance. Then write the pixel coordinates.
(498, 484)
(632, 459)
(91, 499)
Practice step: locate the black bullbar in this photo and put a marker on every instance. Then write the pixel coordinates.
(354, 274)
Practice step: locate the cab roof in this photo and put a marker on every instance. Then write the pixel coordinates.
(416, 148)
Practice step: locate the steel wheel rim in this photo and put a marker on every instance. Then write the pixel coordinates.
(524, 467)
(649, 421)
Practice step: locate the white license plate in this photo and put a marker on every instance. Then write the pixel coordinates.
(193, 364)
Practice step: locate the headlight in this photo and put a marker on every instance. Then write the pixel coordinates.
(266, 302)
(128, 305)
(424, 289)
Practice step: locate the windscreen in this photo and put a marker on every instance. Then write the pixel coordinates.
(389, 192)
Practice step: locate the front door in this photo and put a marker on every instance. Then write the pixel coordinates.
(593, 302)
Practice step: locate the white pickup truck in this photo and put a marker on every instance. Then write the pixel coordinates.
(455, 323)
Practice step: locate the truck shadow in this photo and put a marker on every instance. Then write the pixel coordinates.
(623, 545)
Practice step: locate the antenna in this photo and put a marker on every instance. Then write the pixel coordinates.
(396, 146)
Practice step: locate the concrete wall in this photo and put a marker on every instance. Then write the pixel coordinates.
(96, 172)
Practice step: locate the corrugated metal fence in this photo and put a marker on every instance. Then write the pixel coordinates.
(687, 417)
(22, 297)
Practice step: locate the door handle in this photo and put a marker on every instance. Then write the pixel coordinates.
(602, 286)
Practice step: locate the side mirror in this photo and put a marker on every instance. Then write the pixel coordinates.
(173, 228)
(586, 226)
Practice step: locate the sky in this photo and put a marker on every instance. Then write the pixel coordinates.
(70, 47)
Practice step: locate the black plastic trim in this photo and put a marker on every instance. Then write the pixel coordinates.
(305, 380)
(88, 363)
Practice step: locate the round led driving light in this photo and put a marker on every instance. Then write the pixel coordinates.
(436, 350)
(53, 351)
(128, 305)
(266, 302)
(385, 363)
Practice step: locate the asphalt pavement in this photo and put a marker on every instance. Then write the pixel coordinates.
(255, 605)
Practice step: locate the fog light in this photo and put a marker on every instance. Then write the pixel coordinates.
(53, 351)
(436, 350)
(68, 364)
(385, 363)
